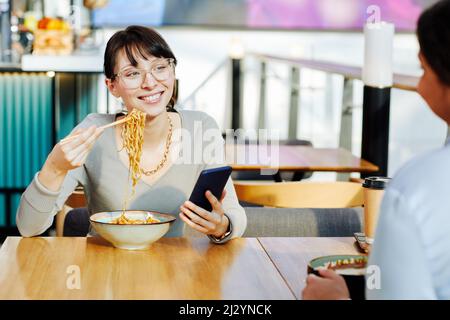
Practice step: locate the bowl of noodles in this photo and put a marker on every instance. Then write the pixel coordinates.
(131, 229)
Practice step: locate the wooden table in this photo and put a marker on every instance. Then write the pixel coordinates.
(294, 158)
(174, 268)
(291, 255)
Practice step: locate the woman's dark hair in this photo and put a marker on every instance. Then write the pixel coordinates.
(137, 40)
(433, 33)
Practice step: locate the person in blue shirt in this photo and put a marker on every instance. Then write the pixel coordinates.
(412, 242)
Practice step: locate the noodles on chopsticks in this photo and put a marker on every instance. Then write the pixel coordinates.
(133, 139)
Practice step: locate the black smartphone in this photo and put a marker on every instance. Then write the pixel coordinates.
(213, 180)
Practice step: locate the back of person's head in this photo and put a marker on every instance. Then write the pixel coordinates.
(433, 33)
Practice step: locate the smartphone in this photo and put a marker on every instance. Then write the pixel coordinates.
(213, 180)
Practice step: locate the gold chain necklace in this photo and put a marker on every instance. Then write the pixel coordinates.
(166, 151)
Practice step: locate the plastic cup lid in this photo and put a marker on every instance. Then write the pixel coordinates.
(376, 182)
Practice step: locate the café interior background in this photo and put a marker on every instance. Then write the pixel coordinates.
(200, 49)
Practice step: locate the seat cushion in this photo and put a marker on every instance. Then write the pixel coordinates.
(287, 222)
(263, 222)
(76, 223)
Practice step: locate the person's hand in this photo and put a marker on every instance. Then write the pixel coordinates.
(213, 223)
(68, 156)
(329, 286)
(73, 154)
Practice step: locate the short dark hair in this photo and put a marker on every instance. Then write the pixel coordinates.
(433, 33)
(137, 40)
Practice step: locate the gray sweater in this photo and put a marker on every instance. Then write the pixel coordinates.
(104, 178)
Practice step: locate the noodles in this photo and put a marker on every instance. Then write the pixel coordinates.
(124, 220)
(133, 139)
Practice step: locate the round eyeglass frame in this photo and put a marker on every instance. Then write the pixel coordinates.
(119, 74)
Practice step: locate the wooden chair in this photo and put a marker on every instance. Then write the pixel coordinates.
(76, 200)
(301, 194)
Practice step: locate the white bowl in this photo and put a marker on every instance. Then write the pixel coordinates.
(131, 236)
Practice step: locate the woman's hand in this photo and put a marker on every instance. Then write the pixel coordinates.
(329, 286)
(68, 156)
(213, 223)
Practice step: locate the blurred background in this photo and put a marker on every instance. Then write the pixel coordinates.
(292, 57)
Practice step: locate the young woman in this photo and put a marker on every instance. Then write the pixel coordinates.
(412, 242)
(140, 69)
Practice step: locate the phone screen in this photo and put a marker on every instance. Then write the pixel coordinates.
(213, 180)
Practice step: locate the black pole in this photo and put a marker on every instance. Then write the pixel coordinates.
(375, 128)
(236, 86)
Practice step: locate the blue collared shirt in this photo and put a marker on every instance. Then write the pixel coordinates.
(412, 241)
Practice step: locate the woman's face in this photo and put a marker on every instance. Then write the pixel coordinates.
(150, 95)
(433, 91)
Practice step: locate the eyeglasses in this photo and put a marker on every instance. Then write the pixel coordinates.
(133, 78)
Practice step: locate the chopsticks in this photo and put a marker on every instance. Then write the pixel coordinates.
(112, 124)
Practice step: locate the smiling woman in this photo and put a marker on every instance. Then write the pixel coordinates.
(140, 69)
